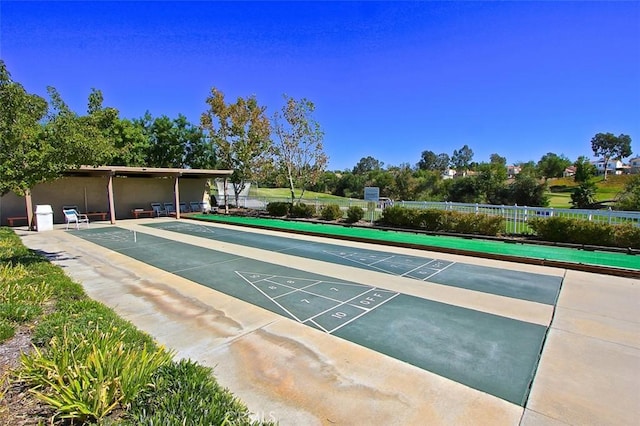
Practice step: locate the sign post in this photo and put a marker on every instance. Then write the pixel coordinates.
(372, 195)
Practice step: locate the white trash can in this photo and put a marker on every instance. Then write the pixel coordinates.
(44, 217)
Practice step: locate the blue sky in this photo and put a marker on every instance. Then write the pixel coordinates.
(389, 79)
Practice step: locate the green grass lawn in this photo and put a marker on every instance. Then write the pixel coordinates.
(560, 189)
(286, 193)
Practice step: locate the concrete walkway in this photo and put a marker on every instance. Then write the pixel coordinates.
(589, 371)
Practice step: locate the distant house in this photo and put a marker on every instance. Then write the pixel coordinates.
(634, 165)
(614, 167)
(569, 171)
(512, 171)
(448, 174)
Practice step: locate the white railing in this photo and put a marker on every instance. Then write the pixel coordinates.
(516, 217)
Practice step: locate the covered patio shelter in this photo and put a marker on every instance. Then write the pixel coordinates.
(111, 192)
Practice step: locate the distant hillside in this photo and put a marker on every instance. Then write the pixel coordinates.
(560, 189)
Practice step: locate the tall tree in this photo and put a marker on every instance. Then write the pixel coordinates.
(241, 133)
(460, 160)
(21, 133)
(298, 146)
(40, 140)
(427, 161)
(366, 165)
(584, 170)
(552, 165)
(442, 162)
(629, 198)
(611, 147)
(404, 183)
(128, 143)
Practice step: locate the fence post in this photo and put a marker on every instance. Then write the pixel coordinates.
(476, 210)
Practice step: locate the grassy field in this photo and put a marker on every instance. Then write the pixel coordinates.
(286, 193)
(560, 189)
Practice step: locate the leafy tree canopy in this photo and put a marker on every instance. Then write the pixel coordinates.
(629, 199)
(40, 139)
(298, 147)
(241, 133)
(366, 165)
(552, 165)
(608, 146)
(584, 170)
(461, 159)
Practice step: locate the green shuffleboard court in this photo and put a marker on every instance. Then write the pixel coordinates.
(561, 254)
(487, 352)
(520, 285)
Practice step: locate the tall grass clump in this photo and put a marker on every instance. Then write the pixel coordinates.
(86, 375)
(184, 392)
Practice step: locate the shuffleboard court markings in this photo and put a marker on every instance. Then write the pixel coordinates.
(326, 305)
(404, 266)
(189, 228)
(342, 315)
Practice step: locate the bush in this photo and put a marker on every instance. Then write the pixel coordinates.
(578, 231)
(354, 214)
(302, 210)
(443, 221)
(278, 208)
(86, 375)
(331, 212)
(627, 235)
(401, 217)
(431, 220)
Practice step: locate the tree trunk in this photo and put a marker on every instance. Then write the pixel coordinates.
(226, 196)
(293, 194)
(29, 206)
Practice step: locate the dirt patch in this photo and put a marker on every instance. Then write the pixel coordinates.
(18, 406)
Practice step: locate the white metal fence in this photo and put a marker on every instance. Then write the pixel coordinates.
(516, 217)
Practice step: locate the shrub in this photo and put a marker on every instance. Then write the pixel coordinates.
(87, 375)
(400, 216)
(354, 214)
(278, 208)
(627, 235)
(443, 221)
(302, 210)
(490, 225)
(463, 223)
(584, 195)
(431, 219)
(555, 228)
(331, 212)
(578, 231)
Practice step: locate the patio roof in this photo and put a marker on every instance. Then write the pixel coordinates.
(146, 172)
